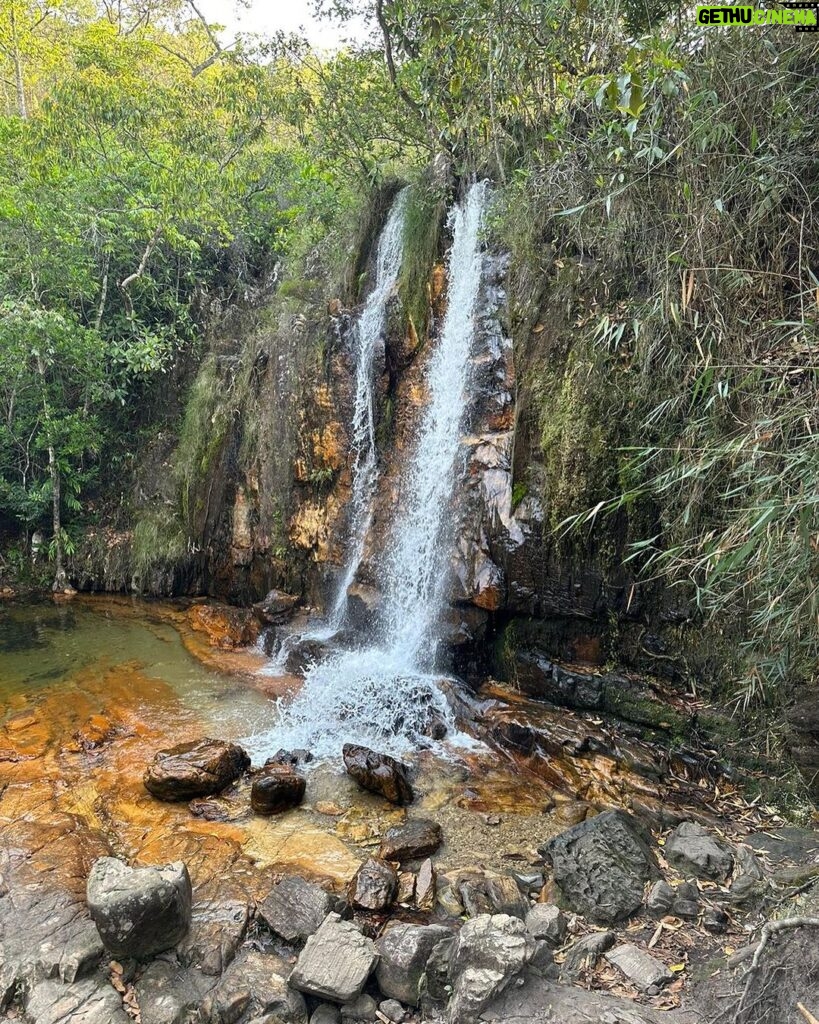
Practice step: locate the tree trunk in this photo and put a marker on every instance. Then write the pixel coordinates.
(19, 83)
(60, 581)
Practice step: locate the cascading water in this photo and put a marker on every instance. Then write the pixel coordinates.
(387, 695)
(368, 333)
(365, 338)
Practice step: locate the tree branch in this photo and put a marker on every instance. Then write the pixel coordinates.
(140, 270)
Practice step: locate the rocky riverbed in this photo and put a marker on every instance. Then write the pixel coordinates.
(559, 869)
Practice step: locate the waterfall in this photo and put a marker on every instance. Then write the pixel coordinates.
(387, 695)
(365, 338)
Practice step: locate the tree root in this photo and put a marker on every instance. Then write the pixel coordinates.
(768, 931)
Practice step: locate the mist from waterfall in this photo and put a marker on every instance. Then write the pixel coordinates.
(386, 695)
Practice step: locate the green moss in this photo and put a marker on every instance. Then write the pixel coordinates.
(519, 492)
(159, 539)
(577, 440)
(424, 217)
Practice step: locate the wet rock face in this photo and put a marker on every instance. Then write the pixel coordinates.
(601, 866)
(489, 952)
(295, 909)
(692, 850)
(415, 840)
(375, 885)
(199, 768)
(217, 931)
(404, 952)
(276, 789)
(335, 963)
(378, 773)
(139, 911)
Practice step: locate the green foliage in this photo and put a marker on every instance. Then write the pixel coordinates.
(689, 211)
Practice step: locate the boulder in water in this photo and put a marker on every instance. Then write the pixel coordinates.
(378, 773)
(139, 911)
(225, 627)
(374, 886)
(276, 789)
(198, 768)
(416, 839)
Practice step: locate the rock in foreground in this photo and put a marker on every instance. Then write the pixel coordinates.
(414, 840)
(602, 865)
(642, 969)
(335, 963)
(404, 950)
(378, 773)
(276, 789)
(489, 952)
(139, 911)
(374, 886)
(295, 909)
(198, 768)
(692, 850)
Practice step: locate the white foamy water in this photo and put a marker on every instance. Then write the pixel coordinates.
(386, 695)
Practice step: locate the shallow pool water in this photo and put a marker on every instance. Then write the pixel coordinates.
(48, 646)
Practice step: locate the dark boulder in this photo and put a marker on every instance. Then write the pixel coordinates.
(601, 866)
(378, 773)
(276, 789)
(404, 952)
(295, 909)
(290, 757)
(414, 840)
(275, 607)
(139, 911)
(197, 768)
(374, 885)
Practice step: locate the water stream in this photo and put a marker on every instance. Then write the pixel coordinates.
(364, 339)
(387, 694)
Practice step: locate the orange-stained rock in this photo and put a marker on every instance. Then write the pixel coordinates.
(328, 446)
(225, 627)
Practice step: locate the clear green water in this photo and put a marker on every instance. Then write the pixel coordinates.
(48, 646)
